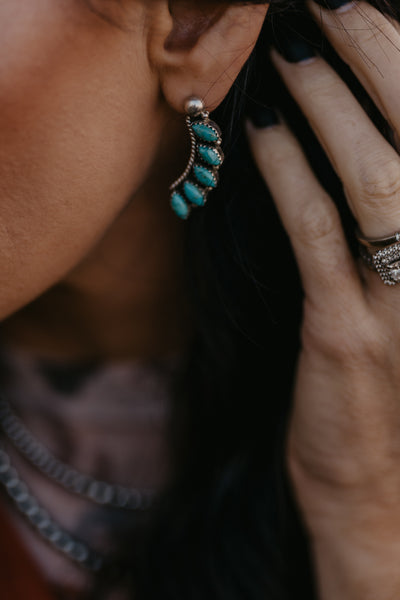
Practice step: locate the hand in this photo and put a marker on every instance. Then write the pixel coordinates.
(344, 438)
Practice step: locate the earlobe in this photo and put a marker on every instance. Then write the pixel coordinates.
(198, 47)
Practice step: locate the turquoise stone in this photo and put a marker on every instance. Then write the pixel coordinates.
(210, 156)
(194, 194)
(205, 176)
(179, 205)
(205, 132)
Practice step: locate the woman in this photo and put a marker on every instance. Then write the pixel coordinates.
(158, 355)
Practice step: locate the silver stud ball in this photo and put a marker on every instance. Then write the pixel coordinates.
(194, 106)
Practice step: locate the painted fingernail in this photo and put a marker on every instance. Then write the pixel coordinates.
(335, 4)
(262, 117)
(294, 48)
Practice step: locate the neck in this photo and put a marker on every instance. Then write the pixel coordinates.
(125, 300)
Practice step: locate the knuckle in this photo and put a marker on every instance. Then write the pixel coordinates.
(338, 340)
(377, 31)
(282, 157)
(320, 84)
(380, 184)
(271, 152)
(314, 225)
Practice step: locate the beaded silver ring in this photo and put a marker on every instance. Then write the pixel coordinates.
(382, 255)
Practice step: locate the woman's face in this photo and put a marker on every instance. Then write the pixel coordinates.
(89, 121)
(80, 125)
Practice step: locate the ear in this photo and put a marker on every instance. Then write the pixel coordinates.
(198, 47)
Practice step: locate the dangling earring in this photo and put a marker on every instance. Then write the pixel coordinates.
(206, 157)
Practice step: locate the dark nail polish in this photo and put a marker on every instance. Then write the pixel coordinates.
(332, 4)
(294, 49)
(262, 116)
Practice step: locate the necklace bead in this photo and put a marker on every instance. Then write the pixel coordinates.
(100, 492)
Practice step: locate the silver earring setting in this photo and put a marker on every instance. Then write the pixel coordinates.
(200, 177)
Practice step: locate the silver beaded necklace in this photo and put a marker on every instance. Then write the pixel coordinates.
(85, 486)
(100, 492)
(41, 521)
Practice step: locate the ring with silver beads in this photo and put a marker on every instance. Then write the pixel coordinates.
(382, 255)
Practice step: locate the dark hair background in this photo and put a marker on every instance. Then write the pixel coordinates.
(227, 527)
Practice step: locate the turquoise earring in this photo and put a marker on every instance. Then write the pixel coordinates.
(206, 158)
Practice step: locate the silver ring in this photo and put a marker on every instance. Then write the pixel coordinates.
(382, 255)
(378, 242)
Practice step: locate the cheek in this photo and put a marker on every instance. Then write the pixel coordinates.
(76, 103)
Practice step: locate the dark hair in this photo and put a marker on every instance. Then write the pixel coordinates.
(228, 527)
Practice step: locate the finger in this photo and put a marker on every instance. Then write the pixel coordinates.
(370, 44)
(308, 214)
(366, 163)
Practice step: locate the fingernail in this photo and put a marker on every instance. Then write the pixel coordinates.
(294, 49)
(262, 117)
(334, 4)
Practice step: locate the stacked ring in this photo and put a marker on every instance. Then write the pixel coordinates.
(382, 255)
